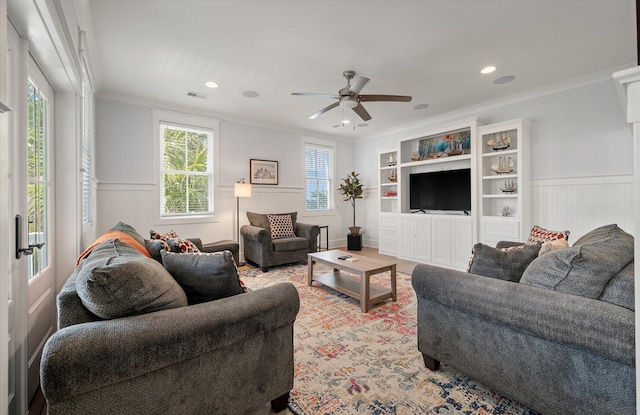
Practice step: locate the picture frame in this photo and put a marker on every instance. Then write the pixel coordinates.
(263, 171)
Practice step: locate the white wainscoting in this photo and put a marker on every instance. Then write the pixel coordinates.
(582, 204)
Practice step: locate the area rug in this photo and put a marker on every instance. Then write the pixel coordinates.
(348, 362)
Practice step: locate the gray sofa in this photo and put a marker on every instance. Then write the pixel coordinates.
(560, 341)
(166, 349)
(265, 250)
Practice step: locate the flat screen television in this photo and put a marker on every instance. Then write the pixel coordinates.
(447, 190)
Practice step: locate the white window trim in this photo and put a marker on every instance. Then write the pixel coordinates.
(189, 120)
(325, 143)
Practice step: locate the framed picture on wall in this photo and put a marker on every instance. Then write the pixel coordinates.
(263, 171)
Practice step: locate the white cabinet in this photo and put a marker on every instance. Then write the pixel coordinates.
(416, 238)
(444, 240)
(504, 181)
(388, 234)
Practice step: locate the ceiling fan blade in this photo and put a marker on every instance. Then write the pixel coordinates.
(358, 84)
(362, 113)
(325, 109)
(395, 98)
(312, 94)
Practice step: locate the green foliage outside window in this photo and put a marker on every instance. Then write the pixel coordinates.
(187, 173)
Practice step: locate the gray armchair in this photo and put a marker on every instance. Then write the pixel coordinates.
(261, 249)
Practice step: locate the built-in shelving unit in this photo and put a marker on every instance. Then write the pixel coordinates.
(388, 188)
(439, 238)
(504, 181)
(496, 155)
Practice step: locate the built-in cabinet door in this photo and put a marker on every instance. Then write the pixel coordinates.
(408, 240)
(441, 240)
(462, 242)
(424, 245)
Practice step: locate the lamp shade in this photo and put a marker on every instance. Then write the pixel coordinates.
(242, 190)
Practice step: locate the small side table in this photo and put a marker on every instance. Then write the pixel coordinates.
(326, 228)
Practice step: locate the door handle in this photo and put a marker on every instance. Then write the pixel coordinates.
(23, 251)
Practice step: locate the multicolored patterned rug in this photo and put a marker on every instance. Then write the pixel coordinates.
(348, 362)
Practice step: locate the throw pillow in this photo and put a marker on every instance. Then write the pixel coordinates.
(204, 276)
(173, 242)
(281, 226)
(541, 235)
(260, 220)
(117, 281)
(155, 246)
(553, 245)
(502, 263)
(585, 268)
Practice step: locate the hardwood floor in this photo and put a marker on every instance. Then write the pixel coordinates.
(39, 405)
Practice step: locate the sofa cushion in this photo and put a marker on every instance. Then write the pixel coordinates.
(129, 230)
(262, 221)
(541, 235)
(204, 276)
(117, 281)
(585, 268)
(290, 244)
(620, 289)
(502, 263)
(281, 226)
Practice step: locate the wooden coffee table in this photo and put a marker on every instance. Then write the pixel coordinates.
(358, 288)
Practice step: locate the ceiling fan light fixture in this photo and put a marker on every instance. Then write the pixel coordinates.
(487, 69)
(348, 104)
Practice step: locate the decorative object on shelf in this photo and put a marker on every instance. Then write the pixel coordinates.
(391, 193)
(509, 186)
(394, 176)
(504, 165)
(450, 144)
(352, 189)
(500, 141)
(506, 210)
(263, 171)
(415, 156)
(391, 160)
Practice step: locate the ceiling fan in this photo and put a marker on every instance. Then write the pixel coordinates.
(349, 97)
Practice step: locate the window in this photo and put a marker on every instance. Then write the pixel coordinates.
(87, 147)
(318, 176)
(37, 176)
(186, 170)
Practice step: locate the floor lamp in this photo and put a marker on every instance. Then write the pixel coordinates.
(241, 189)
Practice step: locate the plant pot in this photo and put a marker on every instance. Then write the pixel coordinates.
(354, 230)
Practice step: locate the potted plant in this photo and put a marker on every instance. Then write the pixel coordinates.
(352, 189)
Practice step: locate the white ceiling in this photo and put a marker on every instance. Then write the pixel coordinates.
(154, 51)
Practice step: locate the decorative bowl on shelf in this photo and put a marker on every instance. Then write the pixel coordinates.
(393, 179)
(390, 193)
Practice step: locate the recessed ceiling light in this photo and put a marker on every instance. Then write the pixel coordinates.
(212, 84)
(251, 94)
(488, 69)
(420, 106)
(504, 79)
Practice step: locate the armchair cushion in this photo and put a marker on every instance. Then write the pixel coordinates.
(117, 281)
(281, 226)
(290, 244)
(204, 276)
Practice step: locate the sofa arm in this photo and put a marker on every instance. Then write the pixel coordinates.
(310, 232)
(580, 322)
(89, 356)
